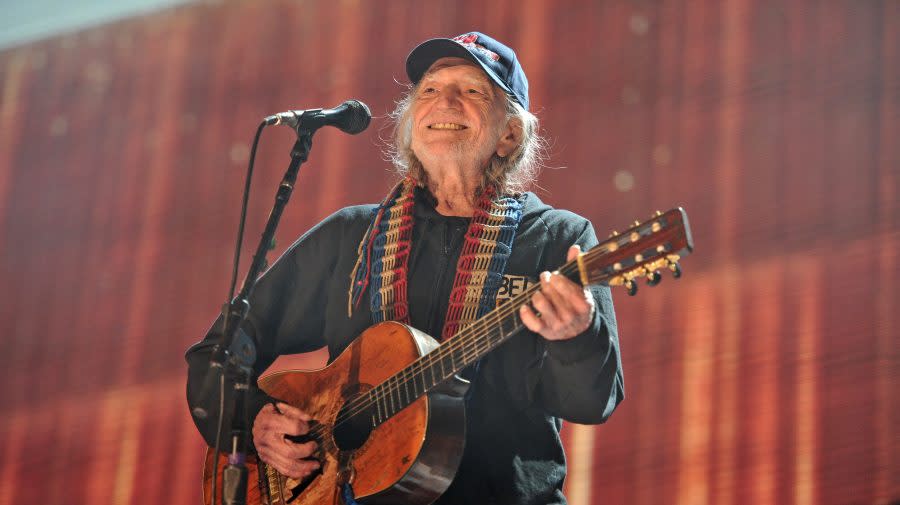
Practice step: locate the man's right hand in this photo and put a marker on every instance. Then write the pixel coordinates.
(271, 425)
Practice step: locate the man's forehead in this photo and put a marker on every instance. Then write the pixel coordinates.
(454, 62)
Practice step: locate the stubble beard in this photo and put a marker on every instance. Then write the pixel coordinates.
(461, 152)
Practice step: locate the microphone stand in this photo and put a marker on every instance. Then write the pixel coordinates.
(238, 366)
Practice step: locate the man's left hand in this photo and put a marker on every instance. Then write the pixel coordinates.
(564, 308)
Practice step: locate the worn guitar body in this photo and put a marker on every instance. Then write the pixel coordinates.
(410, 457)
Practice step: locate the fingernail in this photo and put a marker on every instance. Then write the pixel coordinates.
(545, 276)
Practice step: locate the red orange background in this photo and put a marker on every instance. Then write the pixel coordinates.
(768, 374)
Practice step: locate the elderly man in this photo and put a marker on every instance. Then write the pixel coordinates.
(465, 147)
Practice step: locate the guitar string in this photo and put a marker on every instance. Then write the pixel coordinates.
(460, 341)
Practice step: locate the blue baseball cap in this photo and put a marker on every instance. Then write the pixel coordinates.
(498, 61)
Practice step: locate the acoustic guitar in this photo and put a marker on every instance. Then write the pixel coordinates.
(389, 415)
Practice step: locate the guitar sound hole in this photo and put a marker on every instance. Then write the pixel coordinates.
(352, 426)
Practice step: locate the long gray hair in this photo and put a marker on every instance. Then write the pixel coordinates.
(510, 174)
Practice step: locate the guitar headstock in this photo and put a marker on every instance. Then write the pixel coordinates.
(640, 251)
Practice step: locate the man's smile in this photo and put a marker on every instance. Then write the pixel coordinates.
(446, 126)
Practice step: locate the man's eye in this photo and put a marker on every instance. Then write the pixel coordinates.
(428, 90)
(475, 91)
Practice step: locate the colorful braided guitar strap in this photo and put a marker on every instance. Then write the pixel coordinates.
(383, 256)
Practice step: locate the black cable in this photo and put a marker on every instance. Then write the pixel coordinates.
(216, 450)
(234, 273)
(240, 236)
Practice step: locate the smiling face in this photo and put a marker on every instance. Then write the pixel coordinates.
(458, 116)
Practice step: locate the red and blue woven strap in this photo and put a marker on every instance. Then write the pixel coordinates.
(383, 256)
(482, 262)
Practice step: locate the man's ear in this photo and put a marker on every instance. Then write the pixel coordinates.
(510, 138)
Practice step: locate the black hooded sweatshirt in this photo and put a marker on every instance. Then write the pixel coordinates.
(520, 392)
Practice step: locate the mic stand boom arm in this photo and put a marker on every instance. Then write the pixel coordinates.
(240, 364)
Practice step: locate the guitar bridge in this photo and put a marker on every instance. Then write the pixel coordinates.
(282, 490)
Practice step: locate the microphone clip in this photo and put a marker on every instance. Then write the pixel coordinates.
(291, 118)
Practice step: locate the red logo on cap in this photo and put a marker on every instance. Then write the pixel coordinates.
(469, 40)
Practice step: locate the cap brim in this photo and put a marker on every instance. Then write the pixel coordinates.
(425, 54)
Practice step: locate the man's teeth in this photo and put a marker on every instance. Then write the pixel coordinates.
(446, 126)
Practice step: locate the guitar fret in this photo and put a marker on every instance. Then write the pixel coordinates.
(448, 362)
(426, 367)
(377, 404)
(500, 335)
(413, 387)
(511, 321)
(383, 392)
(486, 342)
(421, 378)
(461, 352)
(391, 398)
(467, 352)
(516, 321)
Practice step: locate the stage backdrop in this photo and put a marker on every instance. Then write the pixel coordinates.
(768, 374)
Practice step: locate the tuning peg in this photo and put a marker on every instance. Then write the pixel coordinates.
(632, 287)
(614, 234)
(637, 223)
(653, 278)
(676, 270)
(657, 213)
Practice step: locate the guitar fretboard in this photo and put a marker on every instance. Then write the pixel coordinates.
(421, 376)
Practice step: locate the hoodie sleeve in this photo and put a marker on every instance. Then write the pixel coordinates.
(580, 379)
(285, 317)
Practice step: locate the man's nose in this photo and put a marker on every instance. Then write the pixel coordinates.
(450, 98)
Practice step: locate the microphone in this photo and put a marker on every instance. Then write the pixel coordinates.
(350, 117)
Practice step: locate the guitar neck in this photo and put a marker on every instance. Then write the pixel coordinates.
(466, 347)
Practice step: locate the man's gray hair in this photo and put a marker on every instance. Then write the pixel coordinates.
(511, 174)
